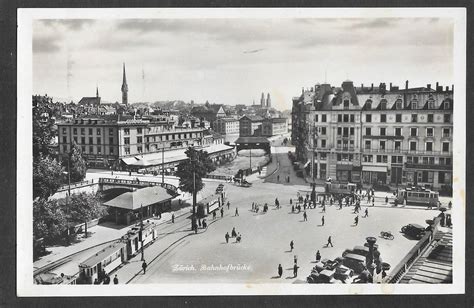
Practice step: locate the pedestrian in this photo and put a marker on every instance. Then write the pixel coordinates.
(199, 223)
(234, 234)
(295, 259)
(96, 281)
(280, 270)
(214, 215)
(278, 178)
(144, 266)
(450, 204)
(195, 229)
(329, 242)
(236, 211)
(291, 245)
(318, 256)
(322, 221)
(292, 208)
(295, 270)
(172, 218)
(324, 209)
(116, 280)
(227, 237)
(228, 205)
(238, 239)
(305, 217)
(291, 201)
(253, 206)
(386, 199)
(222, 212)
(204, 224)
(366, 212)
(107, 279)
(304, 205)
(373, 201)
(356, 220)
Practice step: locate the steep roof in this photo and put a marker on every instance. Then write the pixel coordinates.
(141, 197)
(89, 101)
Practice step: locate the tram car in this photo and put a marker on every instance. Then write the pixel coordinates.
(418, 196)
(340, 188)
(133, 238)
(101, 263)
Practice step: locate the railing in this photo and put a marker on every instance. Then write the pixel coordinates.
(76, 185)
(403, 267)
(138, 183)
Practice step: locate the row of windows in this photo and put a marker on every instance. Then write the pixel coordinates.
(413, 146)
(413, 131)
(399, 104)
(91, 140)
(428, 160)
(414, 118)
(90, 149)
(90, 131)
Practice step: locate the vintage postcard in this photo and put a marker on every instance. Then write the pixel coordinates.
(241, 151)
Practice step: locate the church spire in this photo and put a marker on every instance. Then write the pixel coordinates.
(124, 88)
(96, 91)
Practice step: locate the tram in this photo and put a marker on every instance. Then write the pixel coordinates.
(420, 196)
(101, 263)
(340, 188)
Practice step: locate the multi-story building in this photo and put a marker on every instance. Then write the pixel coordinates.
(226, 126)
(249, 124)
(104, 143)
(274, 126)
(381, 136)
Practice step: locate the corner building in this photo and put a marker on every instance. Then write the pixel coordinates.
(375, 135)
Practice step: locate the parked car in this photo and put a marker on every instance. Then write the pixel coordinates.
(354, 262)
(414, 231)
(357, 250)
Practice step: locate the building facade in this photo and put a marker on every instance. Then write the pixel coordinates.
(274, 126)
(375, 135)
(226, 126)
(248, 125)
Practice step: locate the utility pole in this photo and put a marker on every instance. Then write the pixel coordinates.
(141, 231)
(67, 198)
(163, 164)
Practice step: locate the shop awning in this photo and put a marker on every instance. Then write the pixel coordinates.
(374, 168)
(344, 167)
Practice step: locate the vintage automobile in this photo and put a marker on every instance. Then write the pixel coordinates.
(414, 231)
(357, 250)
(354, 262)
(325, 276)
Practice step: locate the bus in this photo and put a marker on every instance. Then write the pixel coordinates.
(340, 188)
(420, 196)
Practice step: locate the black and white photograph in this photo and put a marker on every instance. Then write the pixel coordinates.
(241, 151)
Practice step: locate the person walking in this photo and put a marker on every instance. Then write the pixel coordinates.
(305, 216)
(291, 201)
(324, 208)
(228, 205)
(234, 234)
(295, 270)
(144, 266)
(222, 212)
(236, 211)
(292, 208)
(280, 270)
(322, 221)
(386, 199)
(329, 242)
(295, 259)
(116, 280)
(227, 237)
(278, 178)
(291, 245)
(356, 220)
(172, 218)
(318, 256)
(366, 212)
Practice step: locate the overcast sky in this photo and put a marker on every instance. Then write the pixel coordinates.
(232, 61)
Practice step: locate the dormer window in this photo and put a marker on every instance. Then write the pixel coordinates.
(383, 104)
(431, 103)
(398, 104)
(446, 105)
(414, 105)
(368, 104)
(346, 104)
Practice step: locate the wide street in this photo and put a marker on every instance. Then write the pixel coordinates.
(266, 236)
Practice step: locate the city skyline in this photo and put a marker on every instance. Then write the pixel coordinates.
(181, 59)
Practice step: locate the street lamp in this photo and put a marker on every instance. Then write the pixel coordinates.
(141, 230)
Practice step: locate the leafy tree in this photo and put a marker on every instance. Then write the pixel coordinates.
(77, 166)
(43, 127)
(49, 221)
(197, 167)
(84, 207)
(47, 176)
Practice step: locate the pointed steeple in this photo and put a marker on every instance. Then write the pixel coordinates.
(96, 91)
(124, 88)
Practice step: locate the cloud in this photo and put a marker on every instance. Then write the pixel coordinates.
(46, 44)
(70, 24)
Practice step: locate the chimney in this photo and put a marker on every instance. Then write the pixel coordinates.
(452, 88)
(428, 86)
(406, 85)
(447, 88)
(437, 86)
(362, 86)
(372, 87)
(390, 86)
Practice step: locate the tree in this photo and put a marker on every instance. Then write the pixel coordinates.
(47, 176)
(84, 207)
(194, 169)
(77, 166)
(49, 221)
(43, 126)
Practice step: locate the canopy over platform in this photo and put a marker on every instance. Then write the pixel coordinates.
(244, 143)
(141, 197)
